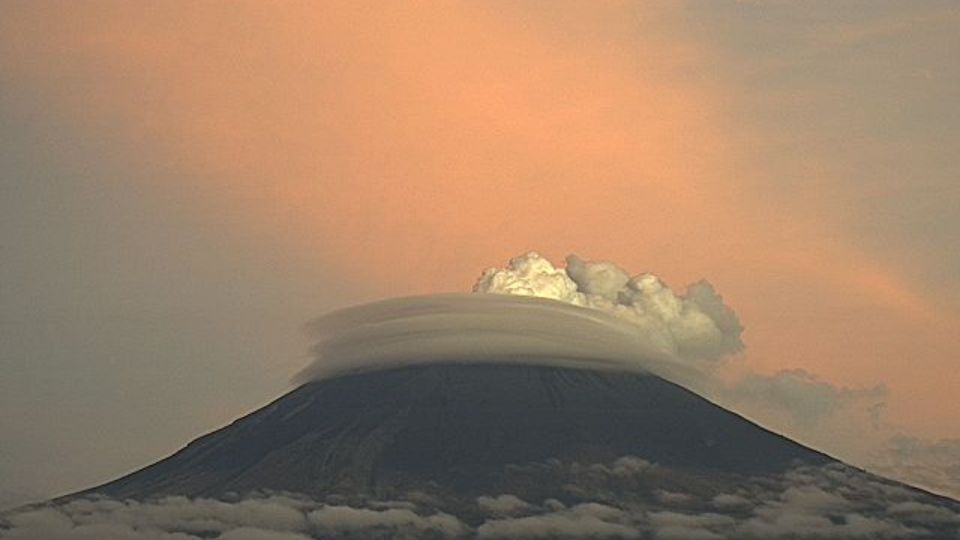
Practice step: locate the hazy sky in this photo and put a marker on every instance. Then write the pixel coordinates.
(183, 186)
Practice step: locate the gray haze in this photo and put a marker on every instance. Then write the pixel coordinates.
(853, 111)
(130, 321)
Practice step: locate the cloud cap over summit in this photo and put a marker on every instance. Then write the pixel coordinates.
(589, 315)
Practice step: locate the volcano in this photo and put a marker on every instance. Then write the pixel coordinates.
(511, 450)
(461, 426)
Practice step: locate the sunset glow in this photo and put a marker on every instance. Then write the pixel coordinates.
(405, 149)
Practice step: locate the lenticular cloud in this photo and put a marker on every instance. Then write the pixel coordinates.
(589, 315)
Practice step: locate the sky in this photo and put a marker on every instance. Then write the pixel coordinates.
(183, 186)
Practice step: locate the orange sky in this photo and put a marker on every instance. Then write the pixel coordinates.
(410, 148)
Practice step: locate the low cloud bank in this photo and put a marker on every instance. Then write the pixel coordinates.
(617, 499)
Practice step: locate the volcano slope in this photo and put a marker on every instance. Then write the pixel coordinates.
(461, 426)
(505, 450)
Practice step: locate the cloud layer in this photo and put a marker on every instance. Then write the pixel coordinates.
(553, 499)
(469, 328)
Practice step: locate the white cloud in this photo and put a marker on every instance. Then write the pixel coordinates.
(503, 505)
(392, 523)
(694, 325)
(785, 522)
(674, 525)
(170, 517)
(55, 524)
(256, 517)
(629, 466)
(589, 520)
(811, 504)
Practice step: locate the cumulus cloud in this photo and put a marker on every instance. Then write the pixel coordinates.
(339, 521)
(693, 325)
(587, 520)
(629, 466)
(809, 511)
(172, 518)
(833, 501)
(256, 517)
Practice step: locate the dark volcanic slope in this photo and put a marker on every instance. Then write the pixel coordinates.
(458, 425)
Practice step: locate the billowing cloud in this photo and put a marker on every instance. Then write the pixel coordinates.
(694, 325)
